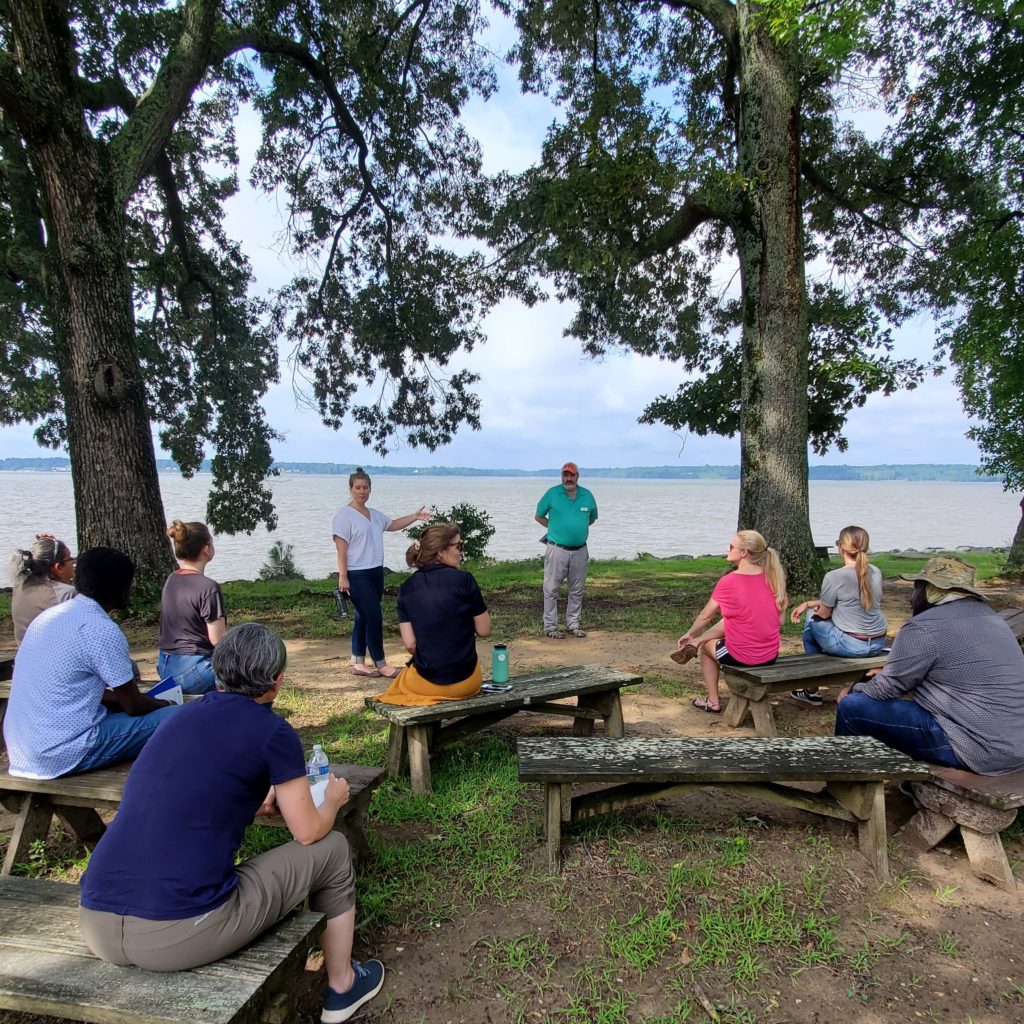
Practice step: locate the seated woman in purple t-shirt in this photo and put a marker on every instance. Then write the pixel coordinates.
(192, 613)
(751, 601)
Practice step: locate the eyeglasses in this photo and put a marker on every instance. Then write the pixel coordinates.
(456, 544)
(70, 558)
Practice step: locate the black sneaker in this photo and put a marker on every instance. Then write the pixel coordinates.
(341, 1006)
(807, 697)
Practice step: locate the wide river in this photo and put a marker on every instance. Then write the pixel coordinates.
(664, 517)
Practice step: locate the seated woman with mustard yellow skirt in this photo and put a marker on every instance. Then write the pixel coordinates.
(441, 612)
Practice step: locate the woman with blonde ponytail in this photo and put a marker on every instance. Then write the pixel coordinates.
(752, 602)
(847, 620)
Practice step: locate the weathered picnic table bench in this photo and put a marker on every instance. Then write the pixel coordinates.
(751, 689)
(77, 799)
(637, 770)
(418, 732)
(46, 968)
(981, 806)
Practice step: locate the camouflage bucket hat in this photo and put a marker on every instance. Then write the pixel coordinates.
(946, 574)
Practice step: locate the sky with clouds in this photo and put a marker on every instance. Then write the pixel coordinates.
(541, 400)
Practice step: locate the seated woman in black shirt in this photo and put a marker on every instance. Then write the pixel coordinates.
(441, 613)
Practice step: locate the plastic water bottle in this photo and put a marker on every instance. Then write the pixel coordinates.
(318, 768)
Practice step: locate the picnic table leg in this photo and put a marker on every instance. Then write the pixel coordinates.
(33, 822)
(87, 825)
(419, 758)
(871, 833)
(614, 725)
(764, 720)
(736, 710)
(866, 801)
(397, 751)
(927, 828)
(582, 726)
(988, 858)
(553, 824)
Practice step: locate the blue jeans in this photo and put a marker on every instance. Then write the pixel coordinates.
(192, 672)
(901, 724)
(121, 737)
(366, 588)
(823, 636)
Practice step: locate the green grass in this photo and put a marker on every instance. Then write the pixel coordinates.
(623, 595)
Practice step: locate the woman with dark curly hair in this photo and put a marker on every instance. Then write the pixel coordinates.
(42, 577)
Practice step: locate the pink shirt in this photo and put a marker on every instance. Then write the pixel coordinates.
(750, 616)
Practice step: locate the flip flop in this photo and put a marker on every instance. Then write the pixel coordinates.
(364, 672)
(702, 704)
(685, 654)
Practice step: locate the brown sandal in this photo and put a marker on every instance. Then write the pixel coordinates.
(685, 654)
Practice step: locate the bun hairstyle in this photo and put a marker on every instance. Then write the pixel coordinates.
(189, 539)
(33, 566)
(758, 552)
(854, 540)
(432, 542)
(359, 474)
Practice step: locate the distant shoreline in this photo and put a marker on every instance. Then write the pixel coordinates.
(944, 472)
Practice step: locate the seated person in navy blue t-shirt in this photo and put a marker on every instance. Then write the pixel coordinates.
(162, 891)
(440, 613)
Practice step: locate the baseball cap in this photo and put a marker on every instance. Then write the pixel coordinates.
(572, 468)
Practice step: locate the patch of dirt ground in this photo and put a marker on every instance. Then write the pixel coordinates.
(935, 943)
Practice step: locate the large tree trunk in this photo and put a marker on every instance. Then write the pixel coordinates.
(86, 277)
(769, 237)
(1015, 559)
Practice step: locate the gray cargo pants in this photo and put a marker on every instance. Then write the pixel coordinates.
(560, 564)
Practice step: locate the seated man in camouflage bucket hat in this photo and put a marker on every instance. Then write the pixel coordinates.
(963, 671)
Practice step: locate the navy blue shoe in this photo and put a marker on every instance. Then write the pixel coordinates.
(341, 1006)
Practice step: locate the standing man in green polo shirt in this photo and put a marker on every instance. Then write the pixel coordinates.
(566, 512)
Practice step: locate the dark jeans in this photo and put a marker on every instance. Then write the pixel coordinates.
(366, 588)
(901, 724)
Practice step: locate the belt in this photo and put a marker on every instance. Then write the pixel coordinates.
(861, 636)
(566, 547)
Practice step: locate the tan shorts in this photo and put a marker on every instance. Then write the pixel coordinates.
(270, 886)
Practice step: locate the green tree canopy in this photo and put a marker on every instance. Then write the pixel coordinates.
(124, 302)
(713, 194)
(966, 94)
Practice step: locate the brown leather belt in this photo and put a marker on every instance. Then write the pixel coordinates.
(861, 636)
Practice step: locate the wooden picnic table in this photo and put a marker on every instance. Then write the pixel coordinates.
(418, 732)
(624, 772)
(78, 799)
(751, 689)
(47, 969)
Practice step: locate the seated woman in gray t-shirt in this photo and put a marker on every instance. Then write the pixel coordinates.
(847, 620)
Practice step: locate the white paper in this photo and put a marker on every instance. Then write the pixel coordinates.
(172, 693)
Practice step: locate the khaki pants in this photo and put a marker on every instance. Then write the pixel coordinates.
(560, 564)
(270, 886)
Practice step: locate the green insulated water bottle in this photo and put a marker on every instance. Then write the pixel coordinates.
(499, 664)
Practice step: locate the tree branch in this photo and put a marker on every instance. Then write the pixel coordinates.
(13, 97)
(268, 43)
(718, 13)
(163, 171)
(144, 134)
(24, 257)
(679, 227)
(108, 94)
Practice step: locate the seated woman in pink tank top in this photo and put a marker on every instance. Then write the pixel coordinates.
(751, 601)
